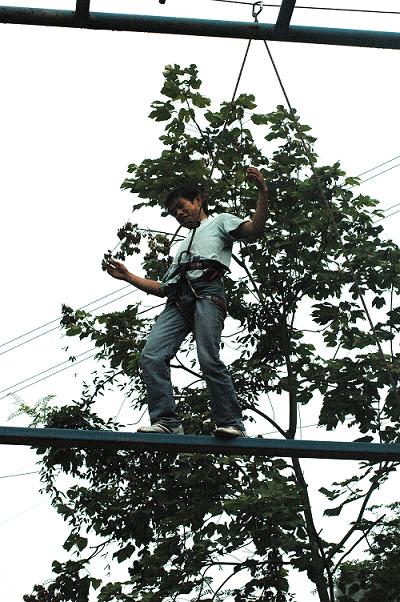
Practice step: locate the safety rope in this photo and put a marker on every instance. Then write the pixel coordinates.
(332, 219)
(256, 9)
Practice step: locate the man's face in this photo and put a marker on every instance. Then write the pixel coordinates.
(186, 212)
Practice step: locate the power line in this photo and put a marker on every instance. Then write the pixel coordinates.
(23, 512)
(391, 207)
(59, 318)
(377, 166)
(48, 376)
(158, 232)
(65, 367)
(44, 371)
(380, 173)
(322, 8)
(61, 363)
(116, 299)
(19, 474)
(82, 307)
(57, 327)
(29, 340)
(386, 216)
(375, 176)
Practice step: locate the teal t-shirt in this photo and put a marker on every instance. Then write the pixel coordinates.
(213, 240)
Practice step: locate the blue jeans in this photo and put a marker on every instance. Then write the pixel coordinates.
(206, 320)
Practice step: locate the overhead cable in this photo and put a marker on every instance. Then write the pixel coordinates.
(325, 8)
(59, 318)
(18, 474)
(23, 512)
(386, 216)
(391, 207)
(48, 376)
(57, 327)
(377, 166)
(25, 334)
(380, 173)
(71, 365)
(47, 370)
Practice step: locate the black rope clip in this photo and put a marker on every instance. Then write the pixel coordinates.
(257, 8)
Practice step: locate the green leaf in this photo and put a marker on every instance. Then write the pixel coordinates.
(333, 511)
(95, 582)
(73, 330)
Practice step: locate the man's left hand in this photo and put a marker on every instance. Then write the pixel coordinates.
(255, 176)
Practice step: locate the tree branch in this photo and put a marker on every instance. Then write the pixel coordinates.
(317, 550)
(335, 550)
(266, 417)
(363, 536)
(183, 367)
(225, 581)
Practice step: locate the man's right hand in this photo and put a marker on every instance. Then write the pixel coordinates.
(116, 269)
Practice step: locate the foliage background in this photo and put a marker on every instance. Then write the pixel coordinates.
(293, 281)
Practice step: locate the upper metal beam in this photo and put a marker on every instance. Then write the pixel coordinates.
(200, 27)
(285, 15)
(65, 438)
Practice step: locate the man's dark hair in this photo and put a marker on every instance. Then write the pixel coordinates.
(186, 192)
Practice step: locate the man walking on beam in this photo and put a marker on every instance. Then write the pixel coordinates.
(196, 303)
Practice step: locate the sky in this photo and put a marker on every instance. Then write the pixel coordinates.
(74, 106)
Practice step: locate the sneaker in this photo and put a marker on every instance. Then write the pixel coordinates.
(157, 427)
(229, 432)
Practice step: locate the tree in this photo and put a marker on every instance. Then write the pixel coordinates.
(302, 336)
(375, 578)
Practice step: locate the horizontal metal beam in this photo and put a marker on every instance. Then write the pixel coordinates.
(200, 27)
(337, 450)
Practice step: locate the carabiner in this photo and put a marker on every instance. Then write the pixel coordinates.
(257, 8)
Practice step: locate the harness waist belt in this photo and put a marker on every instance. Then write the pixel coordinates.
(215, 268)
(202, 264)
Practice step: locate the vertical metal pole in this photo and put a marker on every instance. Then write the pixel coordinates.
(285, 15)
(82, 9)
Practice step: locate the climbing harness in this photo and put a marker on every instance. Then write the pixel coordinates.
(185, 293)
(185, 296)
(212, 269)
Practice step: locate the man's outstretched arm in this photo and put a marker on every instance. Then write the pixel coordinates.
(117, 270)
(256, 226)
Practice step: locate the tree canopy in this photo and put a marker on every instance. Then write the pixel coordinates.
(210, 528)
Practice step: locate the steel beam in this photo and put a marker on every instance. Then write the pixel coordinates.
(200, 27)
(66, 438)
(285, 15)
